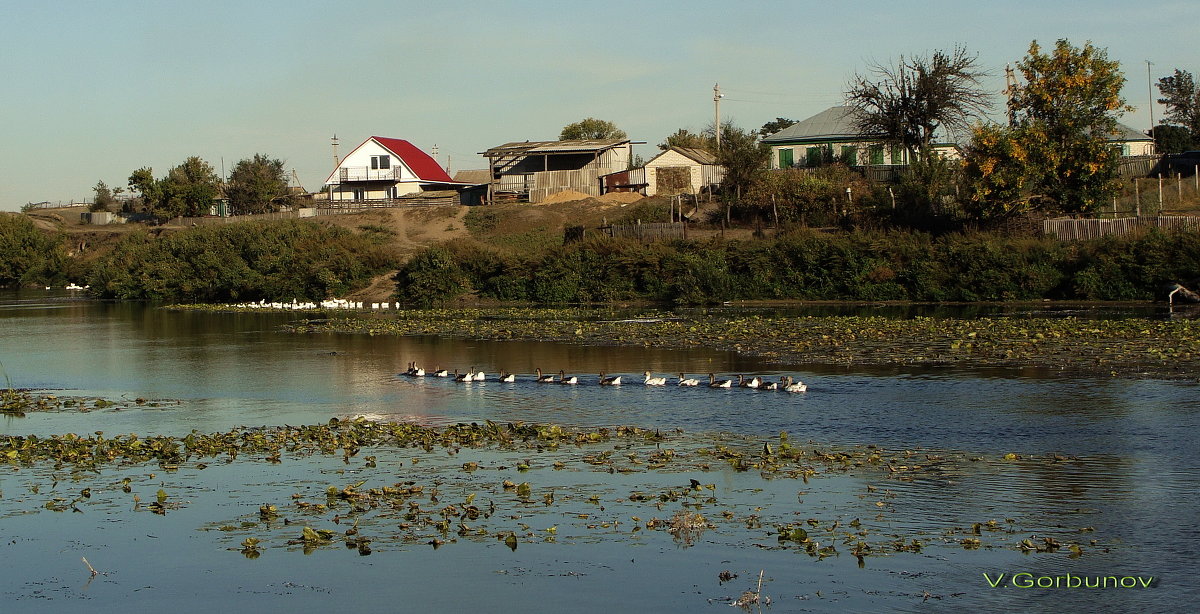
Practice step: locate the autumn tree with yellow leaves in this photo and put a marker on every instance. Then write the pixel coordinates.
(1055, 153)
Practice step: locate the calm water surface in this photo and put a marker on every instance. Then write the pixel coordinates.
(1131, 481)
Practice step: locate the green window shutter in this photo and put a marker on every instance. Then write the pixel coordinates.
(877, 154)
(897, 155)
(785, 158)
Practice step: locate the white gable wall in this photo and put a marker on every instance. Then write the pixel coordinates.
(673, 158)
(358, 162)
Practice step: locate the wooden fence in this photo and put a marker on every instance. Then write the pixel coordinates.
(1067, 229)
(234, 219)
(655, 231)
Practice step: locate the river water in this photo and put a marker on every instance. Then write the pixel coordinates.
(1124, 488)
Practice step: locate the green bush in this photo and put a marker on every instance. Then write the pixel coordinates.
(807, 265)
(240, 262)
(29, 256)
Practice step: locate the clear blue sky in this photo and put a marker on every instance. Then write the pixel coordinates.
(95, 90)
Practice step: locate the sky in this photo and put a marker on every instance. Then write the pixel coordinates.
(95, 90)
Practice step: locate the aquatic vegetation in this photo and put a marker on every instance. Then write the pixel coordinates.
(440, 499)
(1132, 346)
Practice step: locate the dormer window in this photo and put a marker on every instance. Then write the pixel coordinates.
(381, 162)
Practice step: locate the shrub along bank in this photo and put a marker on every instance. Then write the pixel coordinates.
(277, 260)
(29, 256)
(873, 266)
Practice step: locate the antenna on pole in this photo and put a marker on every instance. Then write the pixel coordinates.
(334, 141)
(717, 95)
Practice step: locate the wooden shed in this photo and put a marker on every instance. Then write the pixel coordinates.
(533, 170)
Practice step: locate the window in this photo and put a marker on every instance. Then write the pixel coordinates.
(785, 158)
(876, 153)
(381, 162)
(849, 155)
(360, 194)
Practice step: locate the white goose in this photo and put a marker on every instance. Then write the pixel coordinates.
(691, 381)
(440, 372)
(714, 383)
(507, 377)
(655, 381)
(794, 386)
(610, 381)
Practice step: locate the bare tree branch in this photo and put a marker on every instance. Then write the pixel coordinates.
(906, 103)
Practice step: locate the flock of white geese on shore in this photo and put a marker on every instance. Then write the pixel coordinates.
(786, 383)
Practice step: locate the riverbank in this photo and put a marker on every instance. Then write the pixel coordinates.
(1130, 347)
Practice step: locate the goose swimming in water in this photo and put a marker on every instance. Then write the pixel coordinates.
(752, 383)
(691, 381)
(440, 372)
(507, 377)
(714, 383)
(569, 381)
(544, 379)
(610, 381)
(655, 381)
(794, 386)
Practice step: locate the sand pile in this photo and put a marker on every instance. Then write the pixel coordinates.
(564, 197)
(621, 197)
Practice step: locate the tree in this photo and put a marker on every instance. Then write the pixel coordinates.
(1182, 100)
(188, 189)
(1170, 139)
(104, 197)
(743, 157)
(904, 104)
(257, 185)
(591, 128)
(1056, 154)
(771, 127)
(147, 187)
(686, 139)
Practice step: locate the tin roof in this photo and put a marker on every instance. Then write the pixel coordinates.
(553, 147)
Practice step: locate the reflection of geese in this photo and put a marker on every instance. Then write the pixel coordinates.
(570, 381)
(713, 382)
(655, 381)
(507, 377)
(544, 379)
(609, 381)
(793, 386)
(691, 381)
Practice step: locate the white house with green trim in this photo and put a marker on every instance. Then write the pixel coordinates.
(830, 135)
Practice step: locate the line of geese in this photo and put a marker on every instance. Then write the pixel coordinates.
(786, 383)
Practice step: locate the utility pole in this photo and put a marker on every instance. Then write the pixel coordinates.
(1010, 88)
(1150, 91)
(334, 142)
(717, 95)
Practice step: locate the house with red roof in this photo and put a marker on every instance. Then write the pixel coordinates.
(383, 168)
